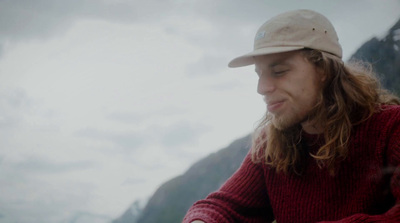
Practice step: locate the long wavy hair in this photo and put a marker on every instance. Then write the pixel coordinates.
(350, 95)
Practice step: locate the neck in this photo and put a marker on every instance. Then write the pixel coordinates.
(312, 128)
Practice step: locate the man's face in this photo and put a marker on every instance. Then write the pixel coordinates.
(290, 85)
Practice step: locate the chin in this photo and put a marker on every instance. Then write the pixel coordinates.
(280, 124)
(283, 122)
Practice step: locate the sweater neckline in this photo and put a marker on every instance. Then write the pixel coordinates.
(313, 141)
(311, 137)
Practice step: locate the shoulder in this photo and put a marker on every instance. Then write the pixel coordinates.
(383, 124)
(387, 113)
(379, 136)
(390, 108)
(392, 115)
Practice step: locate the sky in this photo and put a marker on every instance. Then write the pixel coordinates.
(103, 101)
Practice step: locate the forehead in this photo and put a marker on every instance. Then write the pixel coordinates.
(271, 60)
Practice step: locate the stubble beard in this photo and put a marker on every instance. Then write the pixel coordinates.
(294, 117)
(284, 122)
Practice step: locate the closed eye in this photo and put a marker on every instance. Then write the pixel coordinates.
(279, 73)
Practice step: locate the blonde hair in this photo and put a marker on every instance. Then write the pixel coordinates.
(350, 95)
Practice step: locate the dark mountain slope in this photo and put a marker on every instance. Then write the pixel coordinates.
(384, 55)
(171, 201)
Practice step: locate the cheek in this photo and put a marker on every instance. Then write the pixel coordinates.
(305, 98)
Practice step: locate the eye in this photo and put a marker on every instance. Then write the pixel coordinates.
(278, 73)
(279, 70)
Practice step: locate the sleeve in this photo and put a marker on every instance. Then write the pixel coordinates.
(393, 158)
(242, 198)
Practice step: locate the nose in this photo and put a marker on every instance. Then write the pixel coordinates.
(266, 84)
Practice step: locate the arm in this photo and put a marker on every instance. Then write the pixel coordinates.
(242, 198)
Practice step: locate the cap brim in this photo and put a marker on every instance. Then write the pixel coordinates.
(248, 59)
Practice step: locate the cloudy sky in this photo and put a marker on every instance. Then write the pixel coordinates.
(103, 101)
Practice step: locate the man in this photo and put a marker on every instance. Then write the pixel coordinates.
(328, 148)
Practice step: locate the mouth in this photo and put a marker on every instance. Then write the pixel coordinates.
(273, 106)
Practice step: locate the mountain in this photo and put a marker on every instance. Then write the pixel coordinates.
(384, 55)
(171, 201)
(131, 214)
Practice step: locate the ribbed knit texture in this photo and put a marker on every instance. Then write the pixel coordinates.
(365, 188)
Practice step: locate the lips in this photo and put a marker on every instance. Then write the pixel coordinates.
(273, 106)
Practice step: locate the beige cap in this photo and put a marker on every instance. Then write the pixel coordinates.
(290, 31)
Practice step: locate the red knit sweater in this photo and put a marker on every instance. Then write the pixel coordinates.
(365, 188)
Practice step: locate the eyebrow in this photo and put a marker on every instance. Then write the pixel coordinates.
(280, 61)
